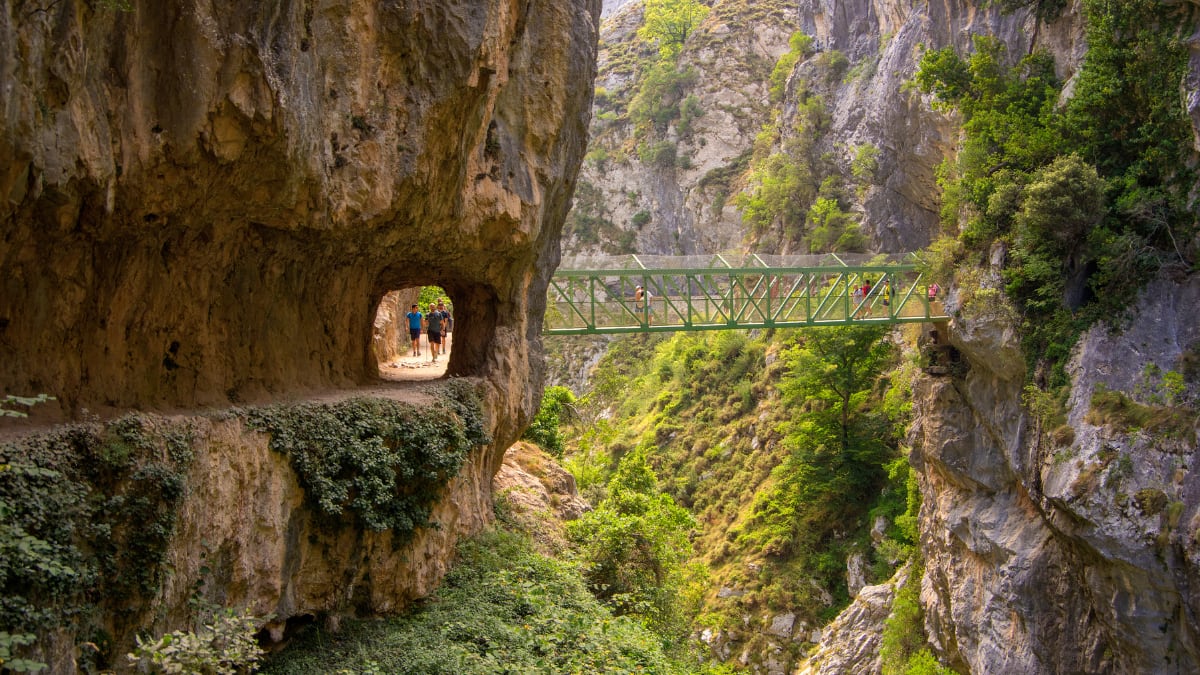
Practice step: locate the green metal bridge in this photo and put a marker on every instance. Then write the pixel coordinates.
(638, 294)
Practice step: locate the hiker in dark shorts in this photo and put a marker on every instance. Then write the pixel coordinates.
(435, 323)
(448, 326)
(414, 317)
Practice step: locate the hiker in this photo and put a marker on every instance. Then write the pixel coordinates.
(933, 291)
(415, 318)
(433, 323)
(447, 325)
(641, 301)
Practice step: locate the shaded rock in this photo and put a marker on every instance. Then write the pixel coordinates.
(1048, 558)
(781, 625)
(850, 643)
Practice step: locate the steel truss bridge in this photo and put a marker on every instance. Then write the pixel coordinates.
(598, 295)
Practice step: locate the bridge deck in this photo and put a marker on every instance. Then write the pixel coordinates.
(591, 298)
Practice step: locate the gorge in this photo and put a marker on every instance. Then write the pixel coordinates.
(204, 209)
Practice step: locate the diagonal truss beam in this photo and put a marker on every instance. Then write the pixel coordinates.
(722, 296)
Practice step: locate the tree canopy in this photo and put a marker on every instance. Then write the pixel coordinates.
(670, 22)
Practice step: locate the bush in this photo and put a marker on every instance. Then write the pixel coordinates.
(224, 644)
(382, 461)
(660, 154)
(633, 546)
(502, 609)
(556, 407)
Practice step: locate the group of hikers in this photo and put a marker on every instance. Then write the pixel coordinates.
(437, 324)
(642, 297)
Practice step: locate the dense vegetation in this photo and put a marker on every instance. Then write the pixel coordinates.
(87, 511)
(380, 461)
(503, 609)
(784, 447)
(797, 192)
(1088, 192)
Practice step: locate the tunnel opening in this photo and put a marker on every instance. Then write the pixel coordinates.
(405, 342)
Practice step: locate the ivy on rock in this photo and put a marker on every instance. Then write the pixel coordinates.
(383, 462)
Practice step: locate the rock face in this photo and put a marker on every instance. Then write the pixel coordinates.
(850, 644)
(205, 206)
(391, 339)
(1062, 553)
(689, 207)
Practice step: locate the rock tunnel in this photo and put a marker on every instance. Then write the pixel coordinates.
(205, 208)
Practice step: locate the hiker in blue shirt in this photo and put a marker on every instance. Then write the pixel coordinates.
(415, 317)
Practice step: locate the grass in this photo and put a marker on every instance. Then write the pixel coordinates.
(502, 609)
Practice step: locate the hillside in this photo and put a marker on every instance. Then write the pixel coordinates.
(989, 134)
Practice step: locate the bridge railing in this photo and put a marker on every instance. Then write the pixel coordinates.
(609, 301)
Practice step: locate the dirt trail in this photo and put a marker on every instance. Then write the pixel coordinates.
(409, 379)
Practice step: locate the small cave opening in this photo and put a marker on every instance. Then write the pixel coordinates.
(413, 333)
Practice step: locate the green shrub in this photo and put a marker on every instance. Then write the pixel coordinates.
(223, 644)
(633, 546)
(381, 461)
(502, 609)
(903, 649)
(10, 644)
(86, 513)
(544, 430)
(800, 46)
(661, 154)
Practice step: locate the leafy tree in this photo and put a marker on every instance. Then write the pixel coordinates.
(556, 405)
(633, 545)
(1015, 177)
(1059, 209)
(838, 451)
(833, 372)
(670, 22)
(799, 46)
(832, 229)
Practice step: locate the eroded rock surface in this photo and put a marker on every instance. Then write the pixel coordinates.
(1053, 552)
(204, 205)
(850, 643)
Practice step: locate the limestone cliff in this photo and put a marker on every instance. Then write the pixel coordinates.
(204, 206)
(1062, 552)
(865, 51)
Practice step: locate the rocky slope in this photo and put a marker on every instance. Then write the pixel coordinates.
(865, 52)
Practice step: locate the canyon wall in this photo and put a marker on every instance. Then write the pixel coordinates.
(203, 207)
(865, 55)
(1037, 561)
(1072, 549)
